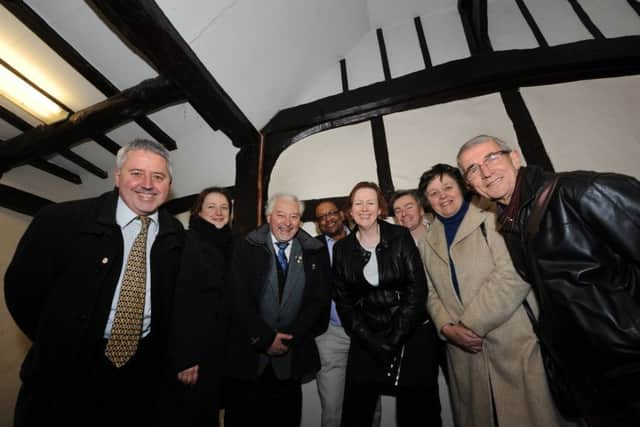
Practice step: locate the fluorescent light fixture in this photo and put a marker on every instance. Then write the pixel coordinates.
(20, 92)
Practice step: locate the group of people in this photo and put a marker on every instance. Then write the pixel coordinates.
(523, 285)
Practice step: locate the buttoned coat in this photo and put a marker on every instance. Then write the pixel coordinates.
(60, 284)
(509, 367)
(249, 334)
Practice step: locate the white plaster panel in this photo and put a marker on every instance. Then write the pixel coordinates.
(364, 65)
(557, 21)
(80, 26)
(507, 27)
(590, 124)
(403, 48)
(326, 164)
(327, 83)
(445, 36)
(418, 139)
(614, 18)
(385, 12)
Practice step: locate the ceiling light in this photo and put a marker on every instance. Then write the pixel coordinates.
(29, 98)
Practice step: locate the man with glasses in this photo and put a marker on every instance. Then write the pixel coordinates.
(333, 345)
(583, 260)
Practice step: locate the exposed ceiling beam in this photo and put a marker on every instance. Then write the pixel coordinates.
(143, 25)
(22, 125)
(107, 143)
(48, 35)
(21, 201)
(142, 99)
(53, 169)
(451, 81)
(473, 14)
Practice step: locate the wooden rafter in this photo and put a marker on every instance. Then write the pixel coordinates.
(143, 26)
(48, 35)
(22, 125)
(138, 101)
(453, 80)
(21, 201)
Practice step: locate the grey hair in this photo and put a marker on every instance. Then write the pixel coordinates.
(146, 145)
(479, 140)
(273, 199)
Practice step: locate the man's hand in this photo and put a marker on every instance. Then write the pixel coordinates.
(463, 337)
(278, 347)
(189, 376)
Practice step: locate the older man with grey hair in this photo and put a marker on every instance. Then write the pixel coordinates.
(280, 293)
(91, 285)
(575, 236)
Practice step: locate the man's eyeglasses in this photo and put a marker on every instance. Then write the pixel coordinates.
(473, 171)
(328, 215)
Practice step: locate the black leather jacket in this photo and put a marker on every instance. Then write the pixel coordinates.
(587, 257)
(383, 315)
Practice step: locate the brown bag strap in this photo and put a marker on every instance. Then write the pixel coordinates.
(540, 205)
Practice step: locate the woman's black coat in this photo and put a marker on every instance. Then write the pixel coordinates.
(385, 318)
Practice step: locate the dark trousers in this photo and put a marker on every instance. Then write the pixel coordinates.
(414, 406)
(264, 402)
(103, 396)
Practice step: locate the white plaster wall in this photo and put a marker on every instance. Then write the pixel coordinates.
(12, 341)
(420, 138)
(557, 21)
(590, 124)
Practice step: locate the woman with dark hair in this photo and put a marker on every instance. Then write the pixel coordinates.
(476, 300)
(380, 293)
(200, 319)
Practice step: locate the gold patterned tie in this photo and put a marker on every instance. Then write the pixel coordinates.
(127, 324)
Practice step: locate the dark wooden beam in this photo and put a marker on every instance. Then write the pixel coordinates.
(386, 69)
(542, 42)
(53, 169)
(144, 27)
(83, 163)
(48, 35)
(14, 120)
(381, 151)
(586, 20)
(343, 75)
(22, 125)
(473, 14)
(21, 201)
(451, 81)
(424, 48)
(128, 105)
(635, 5)
(107, 143)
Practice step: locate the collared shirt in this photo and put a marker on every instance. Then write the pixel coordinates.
(130, 228)
(287, 250)
(334, 319)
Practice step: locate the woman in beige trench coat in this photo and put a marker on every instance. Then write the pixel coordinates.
(496, 376)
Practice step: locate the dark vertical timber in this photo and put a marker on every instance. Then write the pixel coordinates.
(246, 191)
(423, 42)
(343, 75)
(586, 20)
(383, 55)
(528, 137)
(381, 151)
(635, 5)
(542, 42)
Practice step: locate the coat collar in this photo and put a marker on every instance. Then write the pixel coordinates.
(106, 216)
(475, 216)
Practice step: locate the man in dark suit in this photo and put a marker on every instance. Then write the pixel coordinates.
(91, 284)
(280, 292)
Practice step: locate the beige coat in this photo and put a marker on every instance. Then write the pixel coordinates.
(509, 367)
